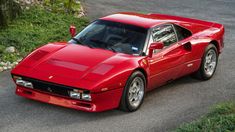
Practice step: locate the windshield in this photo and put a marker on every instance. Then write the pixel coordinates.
(114, 36)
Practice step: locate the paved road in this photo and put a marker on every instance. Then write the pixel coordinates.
(164, 109)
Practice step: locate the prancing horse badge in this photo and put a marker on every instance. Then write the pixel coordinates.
(50, 77)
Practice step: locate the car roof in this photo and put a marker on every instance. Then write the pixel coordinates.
(151, 20)
(137, 19)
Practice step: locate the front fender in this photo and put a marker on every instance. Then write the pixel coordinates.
(117, 76)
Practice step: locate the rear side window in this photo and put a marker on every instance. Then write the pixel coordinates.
(165, 34)
(182, 33)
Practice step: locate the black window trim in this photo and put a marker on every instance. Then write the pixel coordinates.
(183, 28)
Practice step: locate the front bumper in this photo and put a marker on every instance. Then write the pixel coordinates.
(100, 101)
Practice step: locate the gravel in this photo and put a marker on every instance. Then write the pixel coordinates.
(10, 49)
(8, 65)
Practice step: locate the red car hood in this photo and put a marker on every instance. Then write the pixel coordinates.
(67, 64)
(73, 61)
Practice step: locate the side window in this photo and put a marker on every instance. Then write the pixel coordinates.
(165, 34)
(182, 33)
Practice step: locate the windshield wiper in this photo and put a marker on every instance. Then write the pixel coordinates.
(111, 48)
(79, 42)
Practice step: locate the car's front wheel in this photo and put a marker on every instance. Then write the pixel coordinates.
(134, 92)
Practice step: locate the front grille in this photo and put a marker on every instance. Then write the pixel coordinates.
(50, 87)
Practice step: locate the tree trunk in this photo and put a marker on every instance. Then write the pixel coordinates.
(8, 11)
(3, 21)
(70, 6)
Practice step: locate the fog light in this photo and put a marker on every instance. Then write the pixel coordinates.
(74, 94)
(86, 97)
(20, 82)
(28, 84)
(24, 83)
(80, 94)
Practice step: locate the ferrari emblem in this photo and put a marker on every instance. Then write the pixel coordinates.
(144, 61)
(50, 77)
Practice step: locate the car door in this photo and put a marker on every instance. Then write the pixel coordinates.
(166, 63)
(192, 62)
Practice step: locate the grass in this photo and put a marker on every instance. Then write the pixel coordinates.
(36, 27)
(220, 119)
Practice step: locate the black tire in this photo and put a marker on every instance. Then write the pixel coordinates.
(125, 103)
(201, 73)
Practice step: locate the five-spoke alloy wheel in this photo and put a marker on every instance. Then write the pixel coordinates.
(134, 92)
(208, 64)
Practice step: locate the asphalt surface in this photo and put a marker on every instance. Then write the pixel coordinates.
(164, 109)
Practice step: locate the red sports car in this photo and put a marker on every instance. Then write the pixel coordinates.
(115, 60)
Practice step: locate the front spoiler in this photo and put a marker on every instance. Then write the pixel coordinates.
(100, 101)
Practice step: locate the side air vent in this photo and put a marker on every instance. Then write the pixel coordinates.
(188, 46)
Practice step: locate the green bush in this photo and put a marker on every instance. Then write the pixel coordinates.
(68, 6)
(34, 28)
(220, 119)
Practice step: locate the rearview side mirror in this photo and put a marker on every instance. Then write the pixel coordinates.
(153, 46)
(72, 30)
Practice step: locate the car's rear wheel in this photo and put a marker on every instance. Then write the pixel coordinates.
(208, 64)
(134, 91)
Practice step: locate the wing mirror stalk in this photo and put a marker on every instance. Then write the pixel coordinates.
(153, 46)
